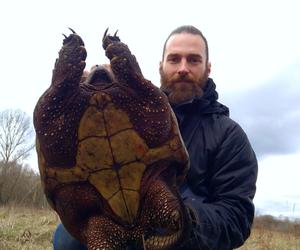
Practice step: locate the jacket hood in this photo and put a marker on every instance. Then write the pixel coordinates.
(206, 104)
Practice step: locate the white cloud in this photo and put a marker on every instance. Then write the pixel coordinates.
(278, 185)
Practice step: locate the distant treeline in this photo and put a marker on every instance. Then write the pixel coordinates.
(272, 223)
(20, 185)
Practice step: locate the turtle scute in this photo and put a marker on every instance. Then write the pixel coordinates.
(110, 153)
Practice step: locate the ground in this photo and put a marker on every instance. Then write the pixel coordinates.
(31, 229)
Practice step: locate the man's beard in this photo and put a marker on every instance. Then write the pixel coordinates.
(182, 89)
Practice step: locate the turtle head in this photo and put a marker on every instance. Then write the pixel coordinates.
(100, 75)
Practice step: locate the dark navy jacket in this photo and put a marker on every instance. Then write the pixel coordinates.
(220, 185)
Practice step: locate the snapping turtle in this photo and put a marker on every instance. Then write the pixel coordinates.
(110, 153)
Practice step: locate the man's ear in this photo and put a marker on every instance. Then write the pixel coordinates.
(160, 67)
(208, 68)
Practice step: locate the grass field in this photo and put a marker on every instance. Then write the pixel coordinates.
(261, 239)
(24, 228)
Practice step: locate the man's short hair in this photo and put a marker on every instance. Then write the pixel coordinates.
(190, 30)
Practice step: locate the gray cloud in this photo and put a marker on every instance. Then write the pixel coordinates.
(270, 113)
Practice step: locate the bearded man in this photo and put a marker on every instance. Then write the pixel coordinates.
(221, 183)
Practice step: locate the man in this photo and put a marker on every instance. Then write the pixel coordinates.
(220, 186)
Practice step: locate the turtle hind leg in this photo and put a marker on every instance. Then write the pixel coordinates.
(102, 233)
(163, 217)
(70, 64)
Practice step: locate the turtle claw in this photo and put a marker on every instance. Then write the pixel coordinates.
(105, 34)
(108, 39)
(73, 37)
(72, 30)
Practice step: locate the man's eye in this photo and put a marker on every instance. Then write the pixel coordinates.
(195, 60)
(173, 59)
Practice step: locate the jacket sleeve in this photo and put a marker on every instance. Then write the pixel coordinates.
(223, 219)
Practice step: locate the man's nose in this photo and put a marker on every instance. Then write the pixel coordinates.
(183, 68)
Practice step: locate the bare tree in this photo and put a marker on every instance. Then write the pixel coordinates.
(21, 185)
(15, 145)
(15, 136)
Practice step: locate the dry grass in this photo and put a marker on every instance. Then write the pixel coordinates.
(262, 239)
(24, 228)
(32, 229)
(270, 233)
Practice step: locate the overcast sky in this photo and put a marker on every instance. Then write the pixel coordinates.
(254, 51)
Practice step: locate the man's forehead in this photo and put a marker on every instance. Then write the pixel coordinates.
(185, 43)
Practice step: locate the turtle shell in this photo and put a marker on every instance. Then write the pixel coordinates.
(112, 156)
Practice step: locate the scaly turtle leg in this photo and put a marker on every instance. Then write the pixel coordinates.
(163, 217)
(104, 234)
(70, 64)
(58, 112)
(124, 64)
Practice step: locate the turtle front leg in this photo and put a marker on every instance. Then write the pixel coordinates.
(123, 64)
(70, 64)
